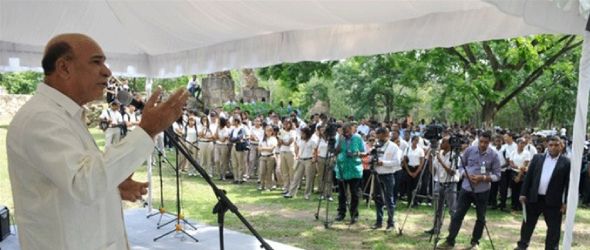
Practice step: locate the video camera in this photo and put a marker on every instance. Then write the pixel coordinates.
(457, 140)
(330, 134)
(433, 132)
(374, 154)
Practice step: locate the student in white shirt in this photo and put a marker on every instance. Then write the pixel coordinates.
(286, 140)
(306, 156)
(113, 133)
(266, 147)
(256, 136)
(66, 191)
(238, 137)
(131, 118)
(507, 150)
(325, 172)
(206, 137)
(413, 164)
(178, 128)
(190, 136)
(222, 148)
(519, 161)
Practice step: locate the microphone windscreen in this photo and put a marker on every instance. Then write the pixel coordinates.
(124, 97)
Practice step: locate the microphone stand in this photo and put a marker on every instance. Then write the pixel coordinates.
(223, 202)
(162, 209)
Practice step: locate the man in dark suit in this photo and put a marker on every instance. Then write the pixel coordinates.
(544, 191)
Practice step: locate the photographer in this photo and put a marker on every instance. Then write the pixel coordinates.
(445, 182)
(483, 167)
(349, 171)
(389, 160)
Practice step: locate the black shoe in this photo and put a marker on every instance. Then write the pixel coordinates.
(287, 196)
(354, 220)
(445, 245)
(431, 231)
(340, 217)
(376, 226)
(390, 227)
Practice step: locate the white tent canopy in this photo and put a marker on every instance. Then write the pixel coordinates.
(172, 38)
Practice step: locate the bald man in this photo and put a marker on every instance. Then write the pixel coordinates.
(67, 193)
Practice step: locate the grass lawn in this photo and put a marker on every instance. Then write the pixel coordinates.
(292, 221)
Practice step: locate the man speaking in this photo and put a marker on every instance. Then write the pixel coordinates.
(67, 193)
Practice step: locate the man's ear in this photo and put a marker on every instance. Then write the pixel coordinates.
(63, 67)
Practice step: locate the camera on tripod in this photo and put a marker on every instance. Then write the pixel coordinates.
(374, 154)
(457, 140)
(330, 134)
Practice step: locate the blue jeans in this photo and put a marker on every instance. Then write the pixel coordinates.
(463, 204)
(388, 185)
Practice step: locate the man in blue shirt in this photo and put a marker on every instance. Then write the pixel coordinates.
(483, 168)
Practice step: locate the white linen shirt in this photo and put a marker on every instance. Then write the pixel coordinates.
(64, 188)
(391, 159)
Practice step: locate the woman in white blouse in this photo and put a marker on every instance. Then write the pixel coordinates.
(413, 164)
(190, 133)
(306, 156)
(325, 178)
(222, 148)
(519, 162)
(286, 141)
(266, 147)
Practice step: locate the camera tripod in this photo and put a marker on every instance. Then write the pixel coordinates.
(328, 163)
(416, 189)
(439, 214)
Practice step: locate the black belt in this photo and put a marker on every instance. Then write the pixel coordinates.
(266, 156)
(321, 157)
(305, 159)
(203, 141)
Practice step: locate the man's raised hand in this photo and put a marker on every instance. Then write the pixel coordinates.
(156, 118)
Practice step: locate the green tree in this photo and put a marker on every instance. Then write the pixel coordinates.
(493, 73)
(21, 82)
(293, 74)
(382, 83)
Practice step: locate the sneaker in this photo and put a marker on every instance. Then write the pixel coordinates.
(287, 196)
(340, 217)
(330, 198)
(321, 197)
(431, 231)
(376, 226)
(390, 227)
(306, 197)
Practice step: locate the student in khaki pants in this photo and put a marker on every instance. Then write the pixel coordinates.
(286, 140)
(306, 158)
(266, 147)
(238, 158)
(222, 148)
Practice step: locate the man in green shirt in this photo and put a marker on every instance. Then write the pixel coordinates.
(349, 171)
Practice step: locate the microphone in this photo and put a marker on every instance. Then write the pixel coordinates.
(124, 97)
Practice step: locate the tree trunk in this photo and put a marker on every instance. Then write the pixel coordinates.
(488, 113)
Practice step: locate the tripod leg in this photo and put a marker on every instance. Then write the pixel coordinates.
(190, 236)
(164, 235)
